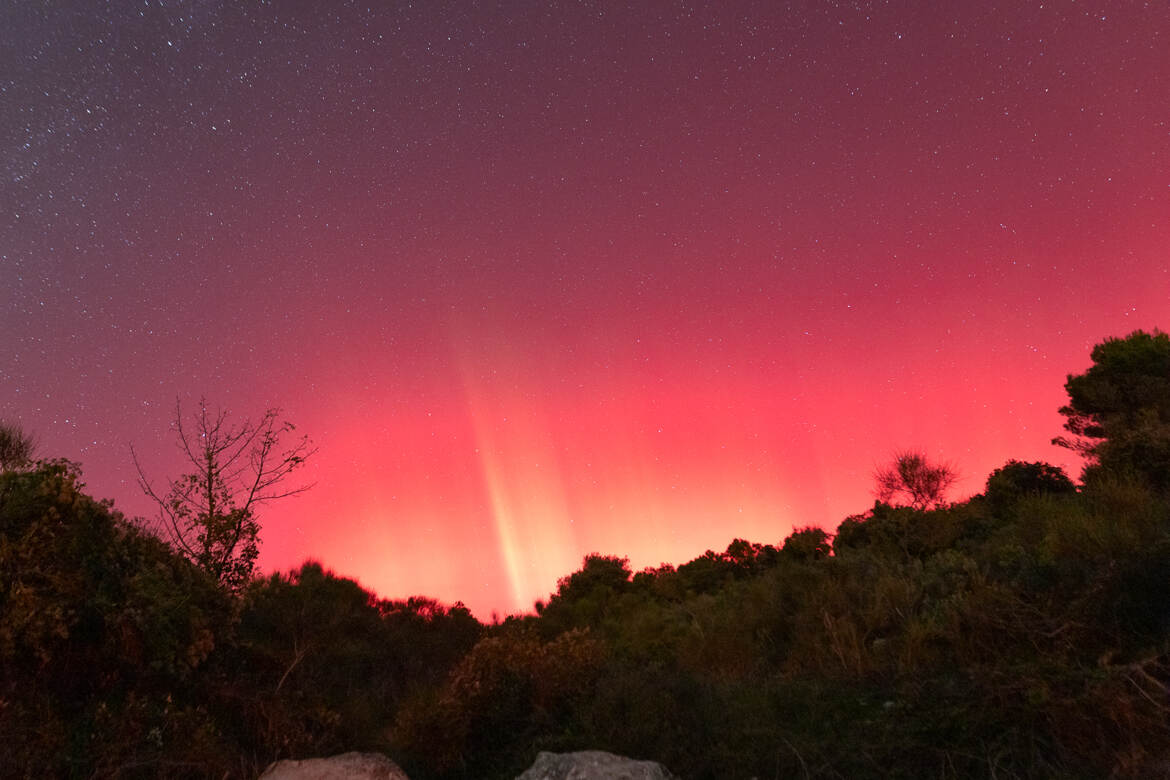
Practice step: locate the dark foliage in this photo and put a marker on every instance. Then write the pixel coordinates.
(16, 447)
(105, 636)
(119, 657)
(1119, 410)
(1014, 481)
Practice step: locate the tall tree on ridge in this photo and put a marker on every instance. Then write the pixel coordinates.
(1119, 409)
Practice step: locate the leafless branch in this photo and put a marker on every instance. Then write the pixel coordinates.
(208, 514)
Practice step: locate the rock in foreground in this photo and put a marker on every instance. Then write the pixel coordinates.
(593, 765)
(347, 766)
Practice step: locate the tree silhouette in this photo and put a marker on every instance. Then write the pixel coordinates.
(16, 447)
(1016, 480)
(1119, 410)
(911, 476)
(209, 514)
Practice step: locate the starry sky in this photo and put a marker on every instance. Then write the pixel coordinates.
(548, 278)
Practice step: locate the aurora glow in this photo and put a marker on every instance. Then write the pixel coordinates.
(543, 279)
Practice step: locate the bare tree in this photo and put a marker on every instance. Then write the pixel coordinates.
(209, 514)
(911, 476)
(16, 447)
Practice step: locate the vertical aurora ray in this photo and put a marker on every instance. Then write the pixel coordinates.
(520, 468)
(503, 516)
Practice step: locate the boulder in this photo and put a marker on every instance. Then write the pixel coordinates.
(347, 766)
(593, 765)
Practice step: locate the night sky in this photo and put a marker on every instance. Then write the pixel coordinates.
(548, 278)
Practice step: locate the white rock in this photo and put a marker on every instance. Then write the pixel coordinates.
(347, 766)
(593, 765)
